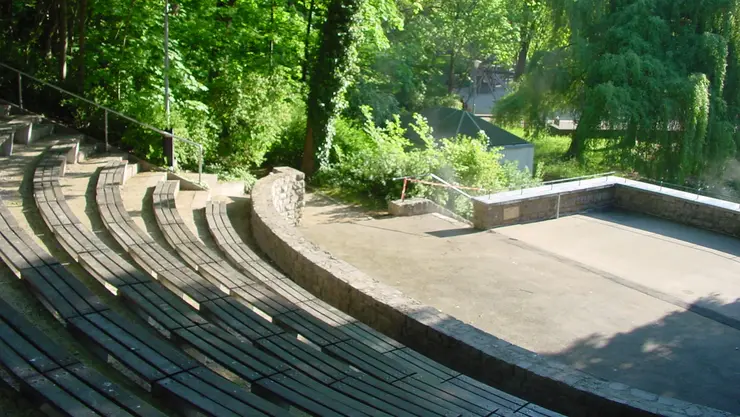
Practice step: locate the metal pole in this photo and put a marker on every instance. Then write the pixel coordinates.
(106, 130)
(167, 62)
(557, 213)
(476, 64)
(403, 192)
(200, 164)
(20, 90)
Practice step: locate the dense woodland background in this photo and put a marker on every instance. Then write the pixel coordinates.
(319, 84)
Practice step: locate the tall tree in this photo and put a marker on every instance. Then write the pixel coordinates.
(662, 74)
(330, 77)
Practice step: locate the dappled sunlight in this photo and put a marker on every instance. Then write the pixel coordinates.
(682, 354)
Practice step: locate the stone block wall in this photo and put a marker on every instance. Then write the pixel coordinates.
(419, 206)
(540, 207)
(288, 193)
(276, 206)
(681, 210)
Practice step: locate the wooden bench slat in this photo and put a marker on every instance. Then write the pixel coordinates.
(171, 312)
(235, 316)
(421, 364)
(491, 394)
(311, 328)
(305, 358)
(82, 392)
(20, 325)
(189, 399)
(228, 356)
(228, 394)
(300, 395)
(50, 296)
(397, 406)
(15, 364)
(26, 350)
(347, 324)
(60, 399)
(171, 358)
(108, 347)
(368, 361)
(445, 399)
(113, 392)
(262, 298)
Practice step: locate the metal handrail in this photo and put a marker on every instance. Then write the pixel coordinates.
(582, 177)
(107, 110)
(693, 190)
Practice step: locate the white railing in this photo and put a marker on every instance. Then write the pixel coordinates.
(106, 110)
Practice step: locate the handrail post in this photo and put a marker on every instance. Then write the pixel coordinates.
(200, 164)
(106, 130)
(20, 90)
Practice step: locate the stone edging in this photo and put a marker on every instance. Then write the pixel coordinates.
(277, 201)
(418, 206)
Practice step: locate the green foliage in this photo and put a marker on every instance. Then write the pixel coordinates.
(367, 160)
(660, 75)
(330, 76)
(553, 164)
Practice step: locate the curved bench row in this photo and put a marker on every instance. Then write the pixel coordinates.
(303, 375)
(377, 397)
(170, 315)
(374, 392)
(424, 376)
(242, 255)
(153, 363)
(40, 368)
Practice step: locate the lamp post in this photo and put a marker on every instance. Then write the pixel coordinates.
(476, 64)
(168, 143)
(167, 61)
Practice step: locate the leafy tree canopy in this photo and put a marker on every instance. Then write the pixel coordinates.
(662, 75)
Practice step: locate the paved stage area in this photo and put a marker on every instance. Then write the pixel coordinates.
(629, 298)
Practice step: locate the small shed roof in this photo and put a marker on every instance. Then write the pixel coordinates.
(447, 123)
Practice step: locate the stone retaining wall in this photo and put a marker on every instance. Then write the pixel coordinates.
(419, 206)
(687, 210)
(540, 207)
(549, 202)
(277, 201)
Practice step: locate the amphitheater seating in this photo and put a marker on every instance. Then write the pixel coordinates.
(153, 363)
(424, 377)
(295, 374)
(50, 376)
(338, 378)
(269, 376)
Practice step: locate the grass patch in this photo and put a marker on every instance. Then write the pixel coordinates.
(354, 198)
(550, 151)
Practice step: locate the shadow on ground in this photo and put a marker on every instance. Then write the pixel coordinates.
(709, 376)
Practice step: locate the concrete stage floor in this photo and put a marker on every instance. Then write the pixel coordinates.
(625, 297)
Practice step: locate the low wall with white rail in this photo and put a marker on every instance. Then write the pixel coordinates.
(552, 201)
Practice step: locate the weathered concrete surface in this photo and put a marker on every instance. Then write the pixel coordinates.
(561, 308)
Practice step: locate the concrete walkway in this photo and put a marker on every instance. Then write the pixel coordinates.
(614, 294)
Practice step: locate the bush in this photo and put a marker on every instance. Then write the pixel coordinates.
(369, 160)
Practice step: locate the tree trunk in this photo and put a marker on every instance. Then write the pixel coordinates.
(329, 79)
(578, 142)
(525, 34)
(521, 61)
(451, 73)
(271, 45)
(81, 39)
(307, 41)
(63, 40)
(308, 164)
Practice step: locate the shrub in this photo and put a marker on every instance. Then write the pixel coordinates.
(370, 160)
